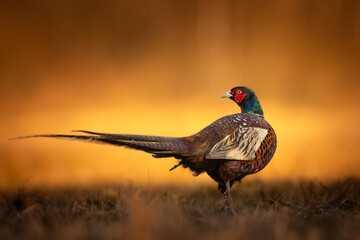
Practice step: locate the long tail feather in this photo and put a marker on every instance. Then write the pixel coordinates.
(143, 138)
(159, 146)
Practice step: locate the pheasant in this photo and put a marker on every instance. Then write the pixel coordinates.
(227, 150)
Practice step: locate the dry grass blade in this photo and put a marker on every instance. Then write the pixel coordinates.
(278, 210)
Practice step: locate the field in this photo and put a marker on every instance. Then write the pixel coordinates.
(271, 210)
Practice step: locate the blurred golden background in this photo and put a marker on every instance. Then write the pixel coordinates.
(159, 68)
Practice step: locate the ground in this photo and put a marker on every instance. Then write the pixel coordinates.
(266, 210)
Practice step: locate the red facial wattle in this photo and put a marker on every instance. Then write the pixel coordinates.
(239, 97)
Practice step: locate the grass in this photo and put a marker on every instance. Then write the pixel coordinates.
(275, 210)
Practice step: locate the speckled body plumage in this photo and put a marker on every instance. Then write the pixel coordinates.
(226, 170)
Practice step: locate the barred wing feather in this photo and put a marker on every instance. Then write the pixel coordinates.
(241, 145)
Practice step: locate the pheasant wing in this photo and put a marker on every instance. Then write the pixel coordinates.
(240, 145)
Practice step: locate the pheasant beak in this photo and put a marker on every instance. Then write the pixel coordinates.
(227, 95)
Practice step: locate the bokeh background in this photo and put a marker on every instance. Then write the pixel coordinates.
(159, 68)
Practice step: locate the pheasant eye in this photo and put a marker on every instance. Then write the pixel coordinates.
(239, 92)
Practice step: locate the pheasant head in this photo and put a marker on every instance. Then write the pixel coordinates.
(246, 99)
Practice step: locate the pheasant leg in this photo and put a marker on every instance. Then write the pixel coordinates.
(225, 193)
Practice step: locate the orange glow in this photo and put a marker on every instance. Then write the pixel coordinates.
(160, 69)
